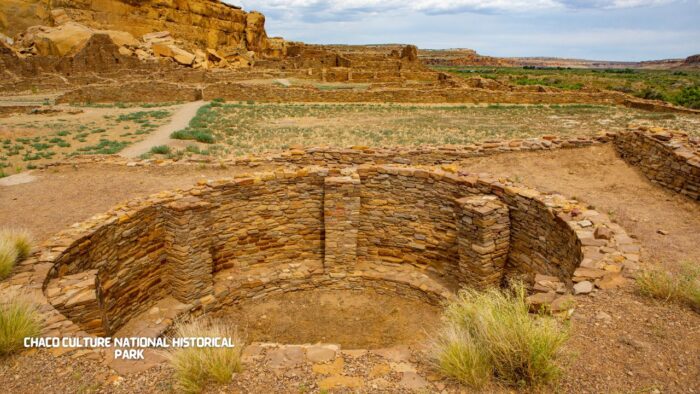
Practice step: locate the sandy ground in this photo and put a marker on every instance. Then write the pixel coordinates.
(620, 342)
(180, 119)
(598, 177)
(30, 140)
(331, 316)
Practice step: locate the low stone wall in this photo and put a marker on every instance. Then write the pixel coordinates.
(667, 158)
(132, 92)
(152, 91)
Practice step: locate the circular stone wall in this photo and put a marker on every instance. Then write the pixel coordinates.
(415, 233)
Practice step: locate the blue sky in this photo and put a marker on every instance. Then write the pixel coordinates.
(596, 29)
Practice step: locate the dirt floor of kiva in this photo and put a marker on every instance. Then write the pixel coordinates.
(620, 341)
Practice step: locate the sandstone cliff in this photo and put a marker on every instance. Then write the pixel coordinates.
(198, 23)
(692, 61)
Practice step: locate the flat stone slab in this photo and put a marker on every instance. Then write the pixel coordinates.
(17, 179)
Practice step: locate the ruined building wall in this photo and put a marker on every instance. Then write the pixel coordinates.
(671, 160)
(397, 229)
(269, 223)
(408, 218)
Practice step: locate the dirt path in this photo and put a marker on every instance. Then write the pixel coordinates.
(179, 121)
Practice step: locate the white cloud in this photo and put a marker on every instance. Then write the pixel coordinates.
(336, 7)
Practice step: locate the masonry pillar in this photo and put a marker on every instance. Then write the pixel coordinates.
(187, 245)
(341, 210)
(484, 239)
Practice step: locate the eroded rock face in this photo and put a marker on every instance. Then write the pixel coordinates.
(67, 39)
(693, 60)
(208, 23)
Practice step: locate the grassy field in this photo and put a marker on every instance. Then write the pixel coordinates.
(29, 140)
(254, 128)
(676, 87)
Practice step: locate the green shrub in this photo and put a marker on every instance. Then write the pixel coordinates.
(651, 94)
(196, 135)
(193, 149)
(160, 150)
(18, 319)
(689, 97)
(217, 102)
(194, 367)
(491, 336)
(683, 287)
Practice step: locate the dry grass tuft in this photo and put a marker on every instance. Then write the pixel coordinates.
(15, 246)
(194, 367)
(18, 319)
(491, 337)
(8, 258)
(682, 287)
(22, 240)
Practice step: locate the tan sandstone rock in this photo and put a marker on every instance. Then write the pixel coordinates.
(196, 21)
(171, 51)
(68, 39)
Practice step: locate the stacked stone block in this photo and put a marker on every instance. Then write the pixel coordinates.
(188, 249)
(484, 239)
(417, 232)
(341, 213)
(267, 220)
(131, 263)
(407, 217)
(669, 159)
(75, 296)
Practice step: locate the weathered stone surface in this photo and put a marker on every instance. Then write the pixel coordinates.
(68, 39)
(484, 240)
(669, 159)
(220, 242)
(172, 51)
(583, 287)
(200, 21)
(321, 353)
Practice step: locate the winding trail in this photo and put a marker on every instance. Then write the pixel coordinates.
(179, 121)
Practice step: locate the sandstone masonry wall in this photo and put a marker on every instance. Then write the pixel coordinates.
(484, 240)
(275, 219)
(669, 159)
(236, 91)
(163, 253)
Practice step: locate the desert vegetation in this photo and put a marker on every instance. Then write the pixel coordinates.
(15, 246)
(194, 366)
(242, 128)
(491, 337)
(680, 87)
(681, 287)
(35, 141)
(18, 319)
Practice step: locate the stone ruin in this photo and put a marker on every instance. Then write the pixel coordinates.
(339, 219)
(157, 51)
(419, 233)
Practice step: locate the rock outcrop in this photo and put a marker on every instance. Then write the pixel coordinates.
(200, 23)
(99, 54)
(67, 39)
(692, 61)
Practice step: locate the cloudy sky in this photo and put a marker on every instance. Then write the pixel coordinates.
(596, 29)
